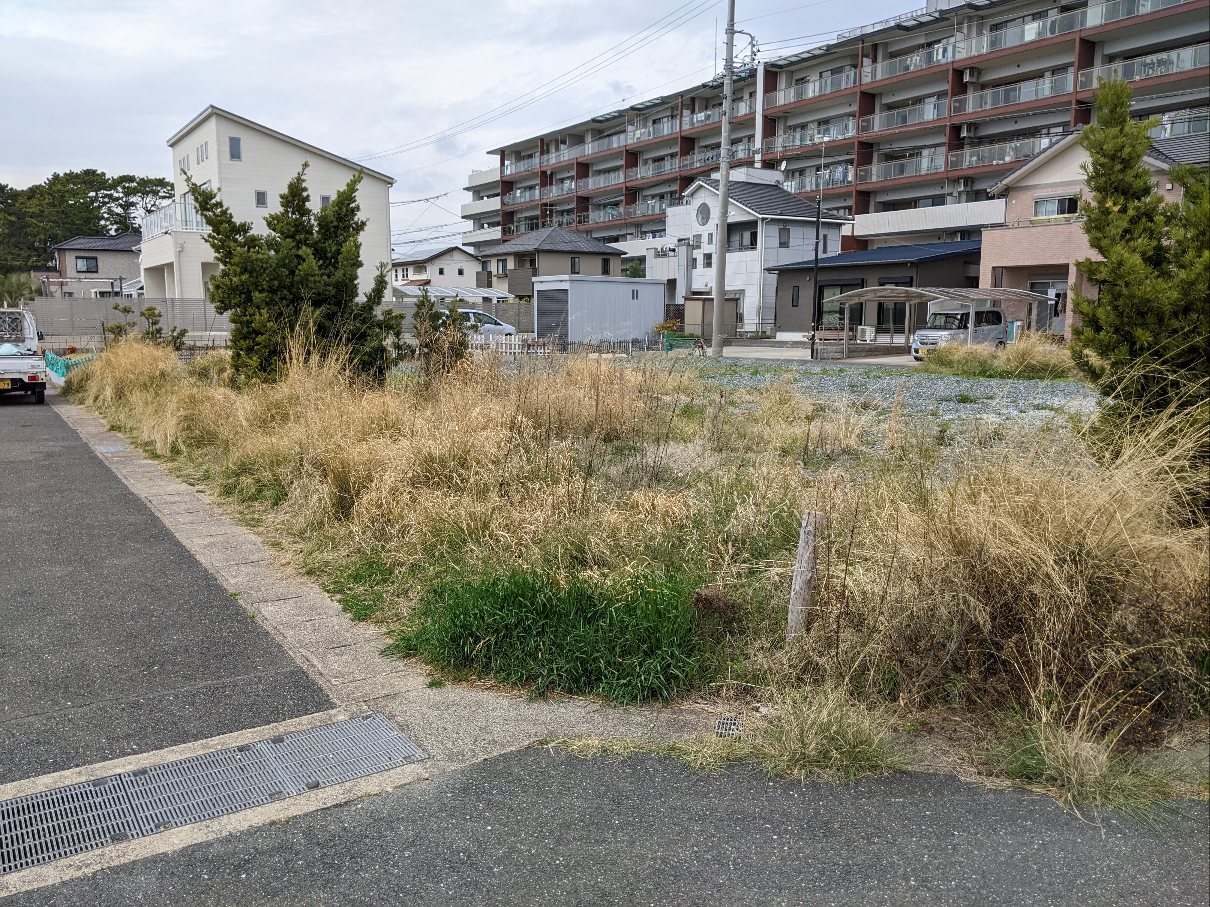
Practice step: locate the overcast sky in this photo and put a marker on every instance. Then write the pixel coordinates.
(88, 84)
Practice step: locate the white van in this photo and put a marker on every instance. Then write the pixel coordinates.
(954, 326)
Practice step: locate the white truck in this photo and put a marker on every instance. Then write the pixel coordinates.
(21, 367)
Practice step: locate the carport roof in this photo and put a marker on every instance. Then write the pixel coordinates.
(966, 295)
(883, 255)
(465, 293)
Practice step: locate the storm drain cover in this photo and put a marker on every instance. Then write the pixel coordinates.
(39, 828)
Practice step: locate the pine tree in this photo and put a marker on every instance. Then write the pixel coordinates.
(1144, 336)
(300, 278)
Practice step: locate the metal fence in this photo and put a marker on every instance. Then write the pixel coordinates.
(83, 318)
(548, 346)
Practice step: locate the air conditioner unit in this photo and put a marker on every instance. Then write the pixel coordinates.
(867, 333)
(968, 130)
(970, 74)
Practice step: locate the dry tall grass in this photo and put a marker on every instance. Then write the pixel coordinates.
(1032, 355)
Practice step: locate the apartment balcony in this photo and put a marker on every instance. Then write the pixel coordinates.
(931, 160)
(563, 187)
(601, 181)
(904, 116)
(521, 226)
(1185, 59)
(565, 220)
(608, 143)
(654, 131)
(521, 196)
(936, 219)
(1194, 121)
(511, 168)
(649, 208)
(1016, 93)
(1093, 16)
(653, 170)
(741, 244)
(480, 236)
(823, 179)
(1000, 153)
(173, 217)
(789, 141)
(811, 89)
(606, 214)
(921, 59)
(880, 24)
(482, 206)
(479, 179)
(715, 115)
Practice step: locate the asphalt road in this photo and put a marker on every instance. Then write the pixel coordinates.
(113, 639)
(535, 827)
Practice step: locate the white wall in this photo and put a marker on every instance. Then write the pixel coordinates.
(604, 308)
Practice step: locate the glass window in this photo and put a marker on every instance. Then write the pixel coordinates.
(604, 265)
(502, 266)
(440, 270)
(794, 297)
(783, 237)
(707, 259)
(86, 264)
(460, 271)
(324, 201)
(575, 264)
(262, 198)
(1056, 207)
(234, 150)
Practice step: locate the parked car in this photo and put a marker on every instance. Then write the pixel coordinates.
(487, 324)
(955, 327)
(22, 370)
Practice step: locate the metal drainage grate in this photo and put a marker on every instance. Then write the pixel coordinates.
(39, 828)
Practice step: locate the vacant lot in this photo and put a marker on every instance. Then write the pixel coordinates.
(629, 530)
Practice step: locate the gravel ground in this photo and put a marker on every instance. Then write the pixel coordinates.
(940, 396)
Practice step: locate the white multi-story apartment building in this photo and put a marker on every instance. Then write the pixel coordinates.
(903, 124)
(249, 165)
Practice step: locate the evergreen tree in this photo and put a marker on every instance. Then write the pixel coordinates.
(1145, 335)
(301, 276)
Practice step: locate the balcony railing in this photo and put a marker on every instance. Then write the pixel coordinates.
(521, 226)
(647, 208)
(811, 136)
(601, 181)
(921, 59)
(1092, 16)
(1016, 93)
(715, 114)
(904, 116)
(563, 154)
(812, 89)
(826, 179)
(173, 216)
(931, 160)
(881, 24)
(653, 168)
(563, 220)
(521, 166)
(563, 187)
(617, 140)
(713, 156)
(653, 131)
(1184, 59)
(520, 196)
(741, 244)
(1001, 152)
(1193, 121)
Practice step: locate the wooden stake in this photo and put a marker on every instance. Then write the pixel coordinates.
(804, 574)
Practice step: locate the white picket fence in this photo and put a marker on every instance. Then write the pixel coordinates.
(529, 345)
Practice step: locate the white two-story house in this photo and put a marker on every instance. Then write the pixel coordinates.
(249, 165)
(766, 226)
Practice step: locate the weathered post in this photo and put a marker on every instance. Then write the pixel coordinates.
(804, 573)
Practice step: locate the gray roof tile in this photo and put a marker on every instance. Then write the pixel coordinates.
(769, 200)
(123, 242)
(552, 239)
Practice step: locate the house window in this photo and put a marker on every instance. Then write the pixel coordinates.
(575, 264)
(459, 270)
(1056, 207)
(783, 237)
(68, 294)
(502, 267)
(486, 266)
(262, 198)
(324, 201)
(794, 297)
(234, 149)
(604, 265)
(707, 259)
(440, 271)
(634, 294)
(183, 163)
(86, 264)
(404, 273)
(824, 249)
(203, 152)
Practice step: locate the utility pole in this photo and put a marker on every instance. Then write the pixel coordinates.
(724, 190)
(818, 307)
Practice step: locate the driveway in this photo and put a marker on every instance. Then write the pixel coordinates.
(114, 639)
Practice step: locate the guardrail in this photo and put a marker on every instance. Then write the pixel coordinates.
(1184, 59)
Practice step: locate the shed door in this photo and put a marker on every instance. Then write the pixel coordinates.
(551, 312)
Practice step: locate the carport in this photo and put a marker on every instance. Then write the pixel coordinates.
(1016, 304)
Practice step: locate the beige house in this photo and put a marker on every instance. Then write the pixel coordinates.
(1043, 234)
(549, 252)
(249, 165)
(449, 266)
(93, 267)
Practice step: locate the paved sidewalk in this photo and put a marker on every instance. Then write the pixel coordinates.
(114, 639)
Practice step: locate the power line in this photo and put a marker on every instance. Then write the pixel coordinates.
(559, 84)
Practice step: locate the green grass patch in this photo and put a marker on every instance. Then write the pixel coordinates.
(362, 586)
(626, 640)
